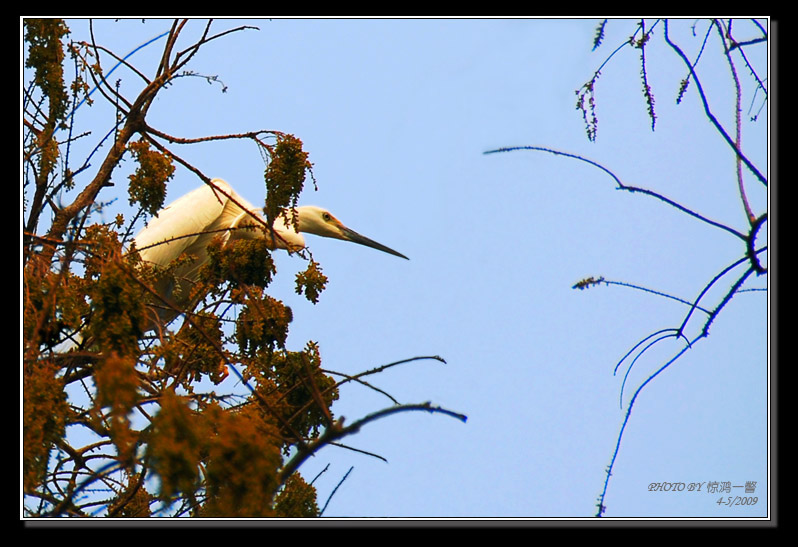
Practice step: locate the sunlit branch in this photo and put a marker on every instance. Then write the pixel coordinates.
(191, 50)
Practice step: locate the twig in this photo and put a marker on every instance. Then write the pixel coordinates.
(359, 451)
(334, 491)
(319, 474)
(652, 291)
(338, 431)
(349, 378)
(639, 355)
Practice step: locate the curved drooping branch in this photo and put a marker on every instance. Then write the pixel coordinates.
(622, 186)
(703, 334)
(338, 431)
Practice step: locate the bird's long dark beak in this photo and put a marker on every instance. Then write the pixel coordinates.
(351, 235)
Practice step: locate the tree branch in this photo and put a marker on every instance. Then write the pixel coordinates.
(622, 186)
(708, 112)
(338, 431)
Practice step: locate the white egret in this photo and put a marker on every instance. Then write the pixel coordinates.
(190, 223)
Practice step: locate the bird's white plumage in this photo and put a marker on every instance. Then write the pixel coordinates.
(189, 224)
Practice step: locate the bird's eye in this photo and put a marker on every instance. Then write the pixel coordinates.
(326, 216)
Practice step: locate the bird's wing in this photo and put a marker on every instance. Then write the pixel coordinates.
(181, 223)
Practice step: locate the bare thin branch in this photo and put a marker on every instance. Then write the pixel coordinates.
(338, 431)
(334, 491)
(709, 113)
(622, 186)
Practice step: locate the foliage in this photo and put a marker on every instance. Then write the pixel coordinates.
(116, 417)
(45, 413)
(247, 262)
(148, 184)
(299, 499)
(311, 282)
(46, 56)
(285, 176)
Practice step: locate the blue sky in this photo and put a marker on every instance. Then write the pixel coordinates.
(396, 115)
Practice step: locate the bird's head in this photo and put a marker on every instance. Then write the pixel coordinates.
(318, 221)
